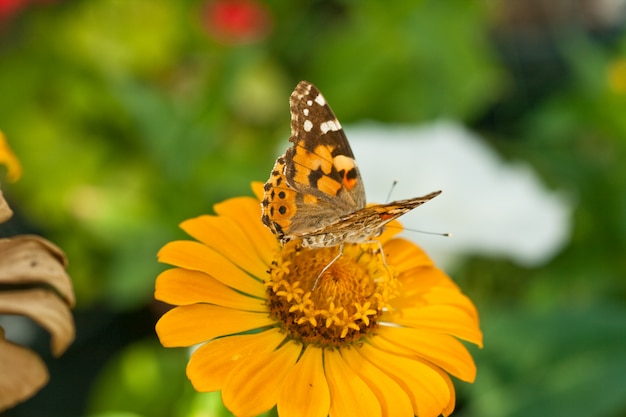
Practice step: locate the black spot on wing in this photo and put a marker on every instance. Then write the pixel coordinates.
(266, 220)
(314, 177)
(351, 174)
(279, 230)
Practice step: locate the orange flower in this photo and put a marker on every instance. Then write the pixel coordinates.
(374, 338)
(8, 158)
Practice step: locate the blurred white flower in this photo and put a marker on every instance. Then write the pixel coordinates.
(491, 207)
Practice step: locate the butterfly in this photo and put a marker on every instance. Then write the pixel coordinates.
(315, 192)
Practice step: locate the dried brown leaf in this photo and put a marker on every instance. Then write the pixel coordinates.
(5, 210)
(23, 373)
(46, 309)
(33, 261)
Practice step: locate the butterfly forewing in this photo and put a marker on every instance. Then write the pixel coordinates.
(315, 192)
(321, 163)
(313, 122)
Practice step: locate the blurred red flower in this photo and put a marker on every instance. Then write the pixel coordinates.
(236, 21)
(8, 8)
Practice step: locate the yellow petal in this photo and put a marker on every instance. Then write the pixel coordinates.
(198, 257)
(440, 349)
(305, 390)
(246, 212)
(428, 391)
(257, 189)
(196, 323)
(252, 387)
(393, 400)
(425, 277)
(404, 255)
(449, 408)
(440, 319)
(226, 237)
(432, 287)
(8, 158)
(23, 373)
(211, 363)
(350, 395)
(452, 297)
(178, 286)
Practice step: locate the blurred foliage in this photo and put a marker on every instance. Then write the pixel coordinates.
(130, 116)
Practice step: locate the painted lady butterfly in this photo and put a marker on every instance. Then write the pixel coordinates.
(315, 192)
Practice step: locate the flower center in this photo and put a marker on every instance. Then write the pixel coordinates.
(333, 308)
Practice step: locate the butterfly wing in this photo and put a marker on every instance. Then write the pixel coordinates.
(317, 181)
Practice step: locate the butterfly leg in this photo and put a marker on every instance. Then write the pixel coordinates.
(381, 251)
(328, 266)
(382, 254)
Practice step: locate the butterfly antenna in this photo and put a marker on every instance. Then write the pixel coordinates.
(393, 185)
(428, 233)
(419, 231)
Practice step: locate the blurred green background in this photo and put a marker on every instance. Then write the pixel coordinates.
(130, 116)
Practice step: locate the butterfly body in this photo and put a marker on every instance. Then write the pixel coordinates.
(315, 192)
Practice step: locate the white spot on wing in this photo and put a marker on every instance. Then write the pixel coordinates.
(331, 125)
(308, 125)
(320, 100)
